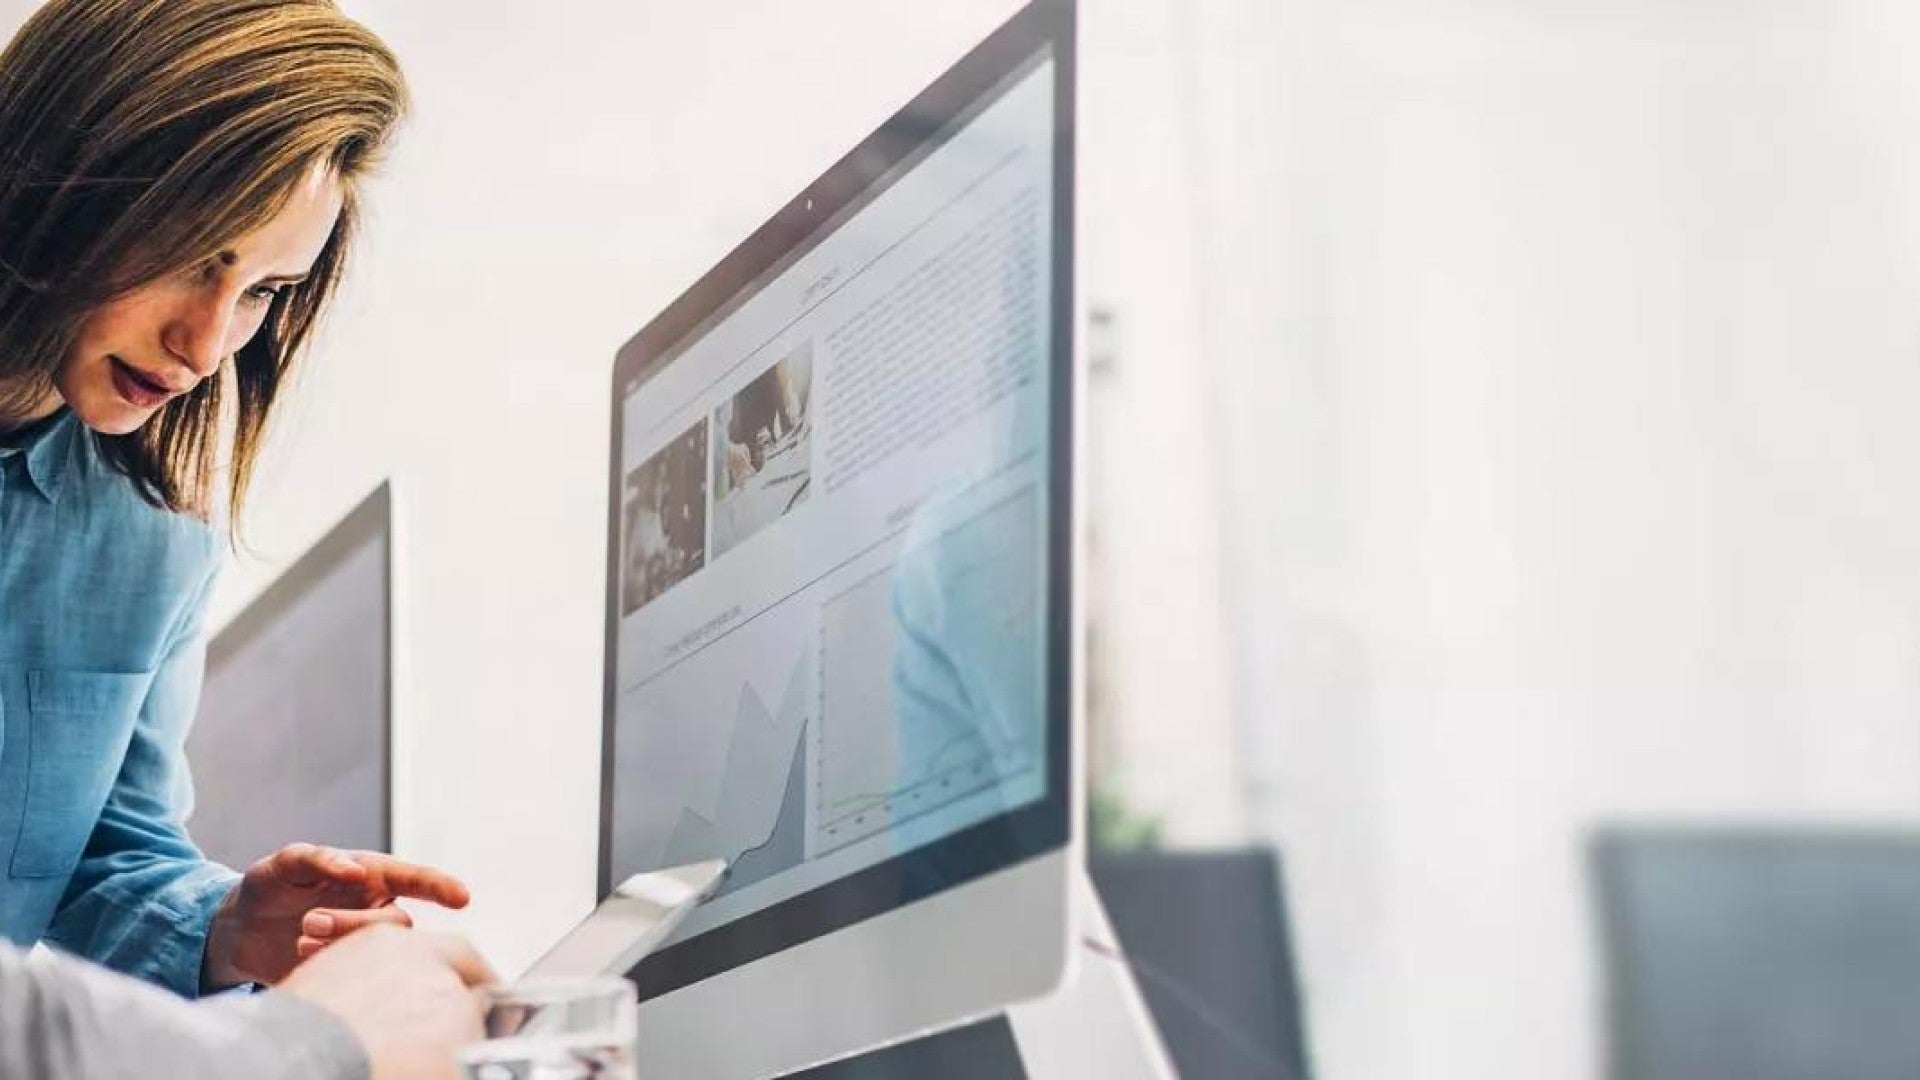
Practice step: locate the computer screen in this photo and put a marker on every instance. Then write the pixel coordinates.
(839, 544)
(291, 741)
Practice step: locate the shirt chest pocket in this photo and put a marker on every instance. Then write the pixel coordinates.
(79, 724)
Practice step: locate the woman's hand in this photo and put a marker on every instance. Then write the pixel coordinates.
(292, 903)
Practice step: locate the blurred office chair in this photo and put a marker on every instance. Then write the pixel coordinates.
(1760, 954)
(1206, 934)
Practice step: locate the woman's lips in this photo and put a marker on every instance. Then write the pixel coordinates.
(138, 390)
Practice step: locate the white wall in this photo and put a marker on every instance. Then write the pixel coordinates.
(1156, 488)
(1569, 357)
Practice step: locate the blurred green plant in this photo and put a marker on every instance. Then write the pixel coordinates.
(1114, 826)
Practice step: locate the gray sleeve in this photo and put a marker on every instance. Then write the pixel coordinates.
(63, 1019)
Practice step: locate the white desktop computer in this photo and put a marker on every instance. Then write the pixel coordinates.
(841, 632)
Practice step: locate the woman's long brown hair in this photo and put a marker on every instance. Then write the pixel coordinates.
(140, 137)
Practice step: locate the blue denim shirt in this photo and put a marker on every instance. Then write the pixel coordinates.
(101, 597)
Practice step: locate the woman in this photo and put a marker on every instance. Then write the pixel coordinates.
(177, 196)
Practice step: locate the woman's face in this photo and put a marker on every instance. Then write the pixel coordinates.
(148, 346)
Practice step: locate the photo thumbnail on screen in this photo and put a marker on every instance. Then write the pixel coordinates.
(763, 450)
(666, 519)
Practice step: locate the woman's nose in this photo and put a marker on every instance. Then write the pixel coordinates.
(197, 335)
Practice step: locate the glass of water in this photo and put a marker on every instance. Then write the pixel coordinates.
(556, 1029)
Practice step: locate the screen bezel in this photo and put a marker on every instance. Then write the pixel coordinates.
(1009, 838)
(370, 520)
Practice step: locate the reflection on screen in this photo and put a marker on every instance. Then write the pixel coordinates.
(833, 538)
(291, 739)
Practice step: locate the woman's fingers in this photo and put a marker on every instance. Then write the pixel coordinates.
(400, 878)
(307, 865)
(331, 924)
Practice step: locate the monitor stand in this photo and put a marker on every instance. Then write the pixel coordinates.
(1095, 1025)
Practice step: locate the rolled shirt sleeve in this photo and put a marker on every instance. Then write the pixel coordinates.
(142, 897)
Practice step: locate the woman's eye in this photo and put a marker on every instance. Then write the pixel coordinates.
(263, 294)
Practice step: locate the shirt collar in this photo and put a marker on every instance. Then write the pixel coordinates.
(47, 454)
